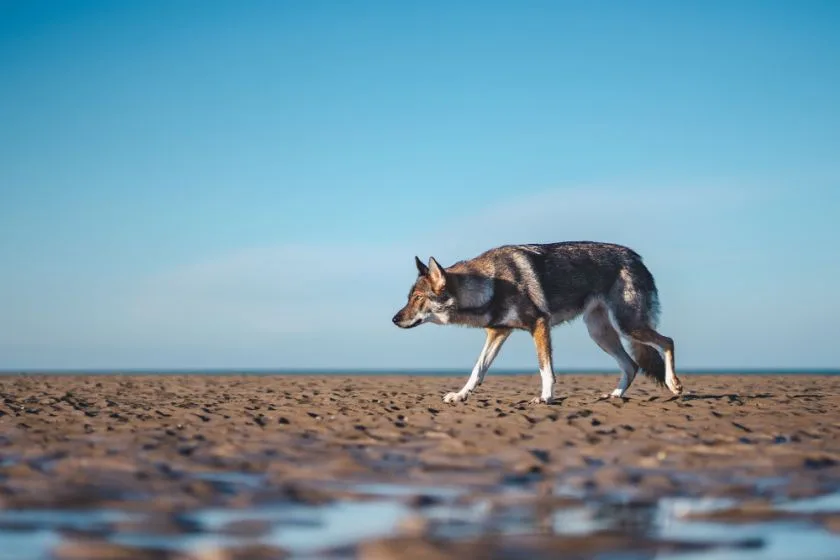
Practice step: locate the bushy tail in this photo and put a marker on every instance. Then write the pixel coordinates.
(650, 361)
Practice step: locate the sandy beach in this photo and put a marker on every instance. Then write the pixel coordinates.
(132, 466)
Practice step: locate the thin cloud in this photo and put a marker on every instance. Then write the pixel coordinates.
(297, 288)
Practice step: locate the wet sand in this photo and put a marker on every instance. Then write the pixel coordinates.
(154, 456)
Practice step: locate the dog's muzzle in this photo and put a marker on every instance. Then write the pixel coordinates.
(399, 322)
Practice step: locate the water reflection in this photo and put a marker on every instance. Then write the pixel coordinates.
(333, 528)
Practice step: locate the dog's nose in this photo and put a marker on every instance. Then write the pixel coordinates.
(395, 319)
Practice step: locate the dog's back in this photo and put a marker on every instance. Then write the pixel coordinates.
(562, 278)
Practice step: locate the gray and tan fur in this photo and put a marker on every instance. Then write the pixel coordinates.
(535, 287)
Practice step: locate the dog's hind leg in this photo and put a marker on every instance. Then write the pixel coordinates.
(634, 303)
(597, 321)
(492, 344)
(649, 337)
(542, 339)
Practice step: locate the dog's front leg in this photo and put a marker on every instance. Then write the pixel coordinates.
(542, 339)
(492, 345)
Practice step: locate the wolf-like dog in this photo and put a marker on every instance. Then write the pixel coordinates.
(535, 287)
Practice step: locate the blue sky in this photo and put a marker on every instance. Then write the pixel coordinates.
(227, 184)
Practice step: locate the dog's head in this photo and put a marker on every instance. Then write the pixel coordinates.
(429, 300)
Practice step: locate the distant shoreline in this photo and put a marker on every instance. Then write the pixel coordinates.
(364, 372)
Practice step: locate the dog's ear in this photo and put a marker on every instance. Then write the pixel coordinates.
(422, 269)
(437, 275)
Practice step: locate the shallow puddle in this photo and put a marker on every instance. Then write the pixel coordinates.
(332, 530)
(819, 504)
(27, 545)
(32, 534)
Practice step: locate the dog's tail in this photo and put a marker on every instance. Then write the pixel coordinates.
(650, 362)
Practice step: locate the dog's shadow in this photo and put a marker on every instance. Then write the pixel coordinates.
(556, 401)
(731, 397)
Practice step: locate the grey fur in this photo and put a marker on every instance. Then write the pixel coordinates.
(523, 286)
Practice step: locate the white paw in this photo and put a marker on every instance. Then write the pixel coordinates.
(675, 388)
(617, 393)
(454, 397)
(542, 400)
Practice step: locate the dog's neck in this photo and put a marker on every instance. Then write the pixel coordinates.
(471, 316)
(473, 295)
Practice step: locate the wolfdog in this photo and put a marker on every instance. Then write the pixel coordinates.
(535, 287)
